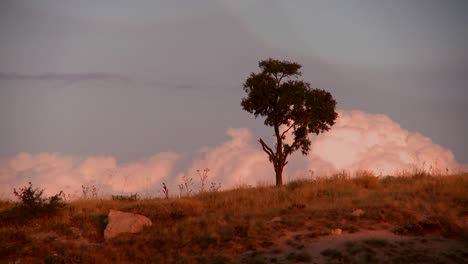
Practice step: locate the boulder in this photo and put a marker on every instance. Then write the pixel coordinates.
(276, 219)
(122, 222)
(336, 231)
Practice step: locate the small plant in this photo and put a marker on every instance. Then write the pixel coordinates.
(126, 198)
(66, 197)
(165, 191)
(181, 190)
(186, 186)
(32, 200)
(89, 191)
(214, 187)
(311, 174)
(203, 176)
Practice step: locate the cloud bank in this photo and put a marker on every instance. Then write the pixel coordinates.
(358, 141)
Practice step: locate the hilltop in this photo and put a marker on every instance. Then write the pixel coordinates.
(406, 219)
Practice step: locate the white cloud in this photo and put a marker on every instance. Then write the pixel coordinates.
(54, 172)
(363, 141)
(236, 162)
(358, 141)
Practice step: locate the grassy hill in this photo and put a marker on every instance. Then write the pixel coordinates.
(415, 218)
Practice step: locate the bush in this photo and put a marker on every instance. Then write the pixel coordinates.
(33, 202)
(126, 198)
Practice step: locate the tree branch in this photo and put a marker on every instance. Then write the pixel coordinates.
(283, 161)
(279, 81)
(267, 149)
(284, 133)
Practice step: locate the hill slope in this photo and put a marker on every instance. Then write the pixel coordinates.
(406, 219)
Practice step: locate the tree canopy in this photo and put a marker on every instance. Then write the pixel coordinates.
(289, 105)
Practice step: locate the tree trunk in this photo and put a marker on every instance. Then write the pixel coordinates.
(279, 156)
(279, 175)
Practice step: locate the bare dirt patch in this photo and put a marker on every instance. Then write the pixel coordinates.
(364, 246)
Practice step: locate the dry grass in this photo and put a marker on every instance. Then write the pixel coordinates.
(240, 225)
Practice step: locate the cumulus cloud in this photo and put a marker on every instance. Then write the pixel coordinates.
(236, 162)
(358, 141)
(55, 172)
(363, 141)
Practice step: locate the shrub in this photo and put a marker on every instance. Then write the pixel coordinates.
(33, 202)
(131, 197)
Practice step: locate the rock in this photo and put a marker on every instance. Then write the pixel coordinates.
(276, 219)
(122, 222)
(357, 212)
(337, 231)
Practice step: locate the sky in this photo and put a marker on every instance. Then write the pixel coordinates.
(129, 94)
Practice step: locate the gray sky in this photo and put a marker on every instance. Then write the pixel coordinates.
(135, 78)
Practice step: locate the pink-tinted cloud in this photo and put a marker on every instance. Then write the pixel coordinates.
(373, 142)
(236, 162)
(358, 141)
(55, 172)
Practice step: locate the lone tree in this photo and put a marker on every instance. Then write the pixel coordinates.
(288, 105)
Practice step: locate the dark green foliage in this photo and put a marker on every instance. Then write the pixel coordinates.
(33, 202)
(276, 94)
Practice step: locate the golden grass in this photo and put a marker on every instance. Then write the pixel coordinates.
(220, 227)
